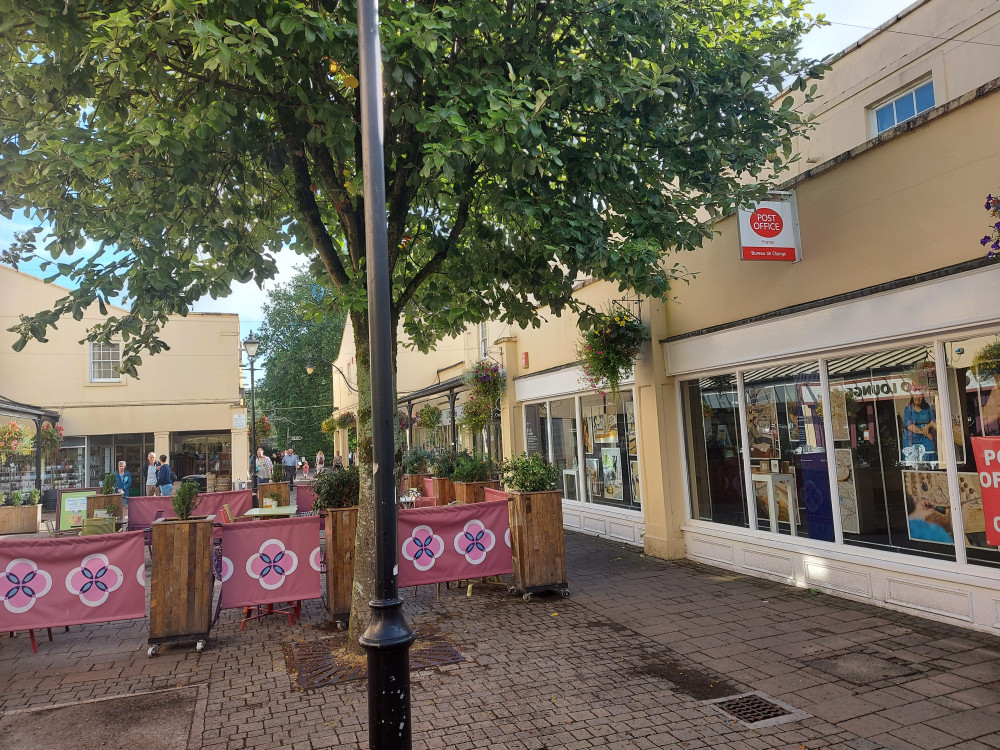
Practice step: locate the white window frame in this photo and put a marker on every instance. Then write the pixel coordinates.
(116, 350)
(484, 341)
(909, 91)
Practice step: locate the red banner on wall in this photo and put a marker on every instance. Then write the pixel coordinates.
(453, 543)
(45, 583)
(264, 562)
(987, 453)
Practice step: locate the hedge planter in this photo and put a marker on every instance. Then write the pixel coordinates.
(444, 490)
(181, 583)
(101, 502)
(473, 492)
(273, 488)
(341, 529)
(20, 519)
(538, 547)
(415, 482)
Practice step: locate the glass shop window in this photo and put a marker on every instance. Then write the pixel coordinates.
(888, 442)
(564, 455)
(715, 450)
(976, 366)
(610, 449)
(789, 470)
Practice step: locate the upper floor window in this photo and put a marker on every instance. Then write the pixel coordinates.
(104, 362)
(484, 341)
(904, 107)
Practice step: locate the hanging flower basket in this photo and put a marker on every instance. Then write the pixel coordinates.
(986, 362)
(429, 417)
(346, 419)
(993, 238)
(14, 441)
(609, 350)
(405, 422)
(487, 385)
(263, 429)
(52, 439)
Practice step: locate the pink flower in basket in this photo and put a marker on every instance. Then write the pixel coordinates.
(474, 542)
(94, 580)
(23, 583)
(272, 564)
(423, 548)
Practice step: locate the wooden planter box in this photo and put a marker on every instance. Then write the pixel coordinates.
(181, 583)
(472, 492)
(538, 547)
(341, 529)
(20, 519)
(444, 490)
(415, 481)
(266, 488)
(100, 502)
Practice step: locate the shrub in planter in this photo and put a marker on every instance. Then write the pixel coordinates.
(337, 489)
(277, 471)
(475, 468)
(108, 484)
(34, 497)
(17, 498)
(526, 473)
(3, 498)
(185, 500)
(444, 462)
(417, 461)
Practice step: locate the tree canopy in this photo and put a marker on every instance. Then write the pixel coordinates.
(527, 144)
(295, 401)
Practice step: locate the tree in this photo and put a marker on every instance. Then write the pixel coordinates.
(527, 144)
(290, 339)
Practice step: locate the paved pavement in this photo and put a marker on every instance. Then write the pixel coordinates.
(631, 660)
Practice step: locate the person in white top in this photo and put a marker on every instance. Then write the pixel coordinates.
(320, 462)
(150, 472)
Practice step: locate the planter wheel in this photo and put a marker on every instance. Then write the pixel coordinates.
(199, 646)
(152, 651)
(527, 597)
(565, 593)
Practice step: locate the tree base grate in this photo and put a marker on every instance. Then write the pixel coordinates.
(316, 664)
(756, 710)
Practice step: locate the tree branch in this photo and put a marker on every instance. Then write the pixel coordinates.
(328, 172)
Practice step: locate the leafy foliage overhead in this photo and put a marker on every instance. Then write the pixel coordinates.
(526, 144)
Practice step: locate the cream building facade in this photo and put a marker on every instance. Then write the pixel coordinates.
(186, 403)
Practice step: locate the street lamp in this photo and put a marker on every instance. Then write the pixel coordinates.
(250, 345)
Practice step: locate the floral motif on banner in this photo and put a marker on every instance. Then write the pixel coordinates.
(506, 537)
(272, 564)
(474, 542)
(423, 548)
(227, 569)
(24, 583)
(316, 560)
(94, 580)
(140, 575)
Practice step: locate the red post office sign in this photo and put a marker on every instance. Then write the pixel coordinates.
(987, 453)
(770, 231)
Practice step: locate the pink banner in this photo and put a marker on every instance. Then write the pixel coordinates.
(305, 498)
(453, 542)
(987, 453)
(264, 562)
(493, 495)
(72, 580)
(142, 510)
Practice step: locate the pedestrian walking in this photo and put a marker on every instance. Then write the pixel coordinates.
(150, 471)
(165, 477)
(305, 468)
(265, 467)
(123, 483)
(291, 463)
(338, 461)
(320, 462)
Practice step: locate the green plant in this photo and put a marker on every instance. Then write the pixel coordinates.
(474, 468)
(346, 419)
(337, 489)
(609, 349)
(52, 439)
(17, 498)
(111, 509)
(417, 460)
(108, 484)
(487, 385)
(14, 441)
(3, 498)
(986, 361)
(185, 500)
(445, 461)
(35, 497)
(277, 471)
(526, 473)
(429, 417)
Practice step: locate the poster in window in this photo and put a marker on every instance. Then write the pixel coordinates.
(762, 422)
(630, 428)
(634, 472)
(588, 442)
(611, 466)
(838, 413)
(594, 477)
(928, 508)
(847, 491)
(922, 437)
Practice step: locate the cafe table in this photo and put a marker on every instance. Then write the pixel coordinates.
(281, 511)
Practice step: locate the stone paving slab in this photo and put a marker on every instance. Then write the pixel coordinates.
(627, 662)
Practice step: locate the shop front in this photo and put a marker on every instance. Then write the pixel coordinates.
(592, 439)
(202, 453)
(850, 468)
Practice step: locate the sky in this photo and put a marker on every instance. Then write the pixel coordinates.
(849, 21)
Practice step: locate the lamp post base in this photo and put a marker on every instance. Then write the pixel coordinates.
(387, 641)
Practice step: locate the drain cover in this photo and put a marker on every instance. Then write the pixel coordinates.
(320, 663)
(757, 710)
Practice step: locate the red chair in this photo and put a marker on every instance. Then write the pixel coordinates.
(305, 497)
(425, 502)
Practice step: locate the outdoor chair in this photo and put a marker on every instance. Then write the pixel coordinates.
(428, 486)
(148, 533)
(50, 527)
(425, 502)
(94, 526)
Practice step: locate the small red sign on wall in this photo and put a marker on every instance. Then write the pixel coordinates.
(524, 359)
(987, 453)
(770, 231)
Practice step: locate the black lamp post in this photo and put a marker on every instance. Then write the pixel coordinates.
(250, 346)
(388, 637)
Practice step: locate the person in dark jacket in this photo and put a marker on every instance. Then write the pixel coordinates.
(165, 477)
(123, 482)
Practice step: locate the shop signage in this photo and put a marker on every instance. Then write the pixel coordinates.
(987, 453)
(239, 421)
(769, 230)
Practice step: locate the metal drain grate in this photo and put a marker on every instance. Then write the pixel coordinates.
(757, 710)
(320, 663)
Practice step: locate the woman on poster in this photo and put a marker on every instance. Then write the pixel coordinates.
(919, 429)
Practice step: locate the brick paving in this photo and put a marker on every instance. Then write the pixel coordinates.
(627, 662)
